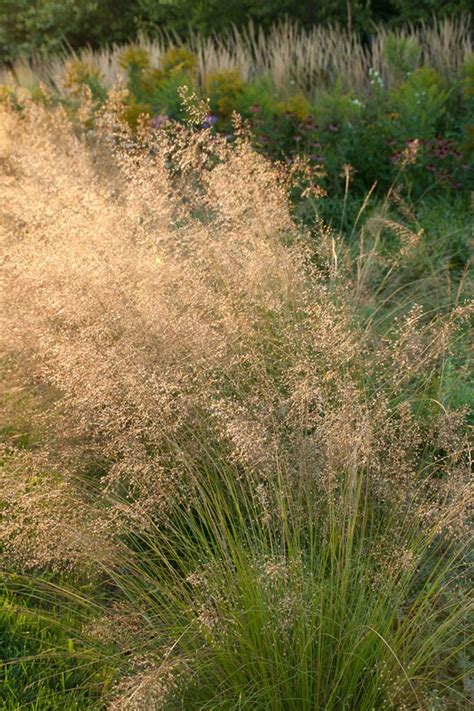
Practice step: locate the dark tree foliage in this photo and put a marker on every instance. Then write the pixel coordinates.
(29, 26)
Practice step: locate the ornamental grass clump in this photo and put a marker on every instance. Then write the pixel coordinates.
(314, 59)
(274, 511)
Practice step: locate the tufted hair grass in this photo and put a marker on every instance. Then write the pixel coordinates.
(270, 504)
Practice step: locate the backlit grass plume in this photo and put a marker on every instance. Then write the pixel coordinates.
(260, 486)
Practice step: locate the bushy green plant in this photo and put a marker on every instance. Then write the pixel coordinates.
(165, 98)
(401, 54)
(224, 89)
(151, 80)
(468, 78)
(79, 73)
(420, 104)
(297, 105)
(468, 114)
(180, 60)
(257, 96)
(337, 107)
(154, 90)
(134, 57)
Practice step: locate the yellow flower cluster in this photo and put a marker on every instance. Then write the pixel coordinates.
(224, 88)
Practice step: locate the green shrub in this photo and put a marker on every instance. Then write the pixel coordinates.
(79, 73)
(297, 105)
(224, 89)
(420, 104)
(401, 54)
(179, 60)
(134, 58)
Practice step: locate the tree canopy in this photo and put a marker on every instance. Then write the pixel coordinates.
(29, 26)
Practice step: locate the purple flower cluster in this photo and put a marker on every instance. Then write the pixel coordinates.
(443, 148)
(209, 121)
(440, 157)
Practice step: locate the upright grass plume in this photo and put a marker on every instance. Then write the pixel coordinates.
(314, 59)
(270, 505)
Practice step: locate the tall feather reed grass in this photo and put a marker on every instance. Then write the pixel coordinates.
(309, 59)
(260, 486)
